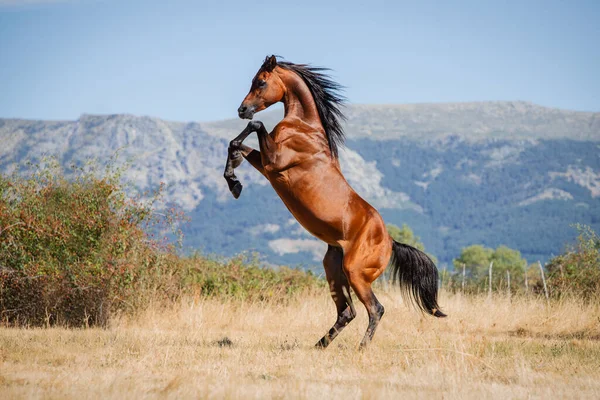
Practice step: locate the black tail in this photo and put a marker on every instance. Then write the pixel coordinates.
(417, 276)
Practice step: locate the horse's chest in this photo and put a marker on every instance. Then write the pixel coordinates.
(288, 190)
(281, 183)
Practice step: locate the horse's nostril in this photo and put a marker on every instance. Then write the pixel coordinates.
(242, 109)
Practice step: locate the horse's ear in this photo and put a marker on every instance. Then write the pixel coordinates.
(270, 63)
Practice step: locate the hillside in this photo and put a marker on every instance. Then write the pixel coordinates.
(495, 173)
(475, 121)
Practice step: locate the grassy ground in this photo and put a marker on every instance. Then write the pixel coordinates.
(208, 348)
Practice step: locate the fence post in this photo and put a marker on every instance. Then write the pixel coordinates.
(490, 281)
(543, 280)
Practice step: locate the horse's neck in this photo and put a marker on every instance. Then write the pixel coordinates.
(298, 101)
(299, 104)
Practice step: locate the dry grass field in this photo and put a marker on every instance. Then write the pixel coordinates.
(210, 349)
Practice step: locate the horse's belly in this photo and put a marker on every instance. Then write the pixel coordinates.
(319, 214)
(317, 227)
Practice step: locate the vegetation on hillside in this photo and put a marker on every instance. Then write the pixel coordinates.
(469, 193)
(484, 192)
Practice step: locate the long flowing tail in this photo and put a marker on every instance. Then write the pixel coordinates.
(417, 276)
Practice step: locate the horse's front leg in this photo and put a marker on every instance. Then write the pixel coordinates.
(269, 153)
(235, 155)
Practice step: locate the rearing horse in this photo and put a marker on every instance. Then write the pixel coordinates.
(300, 160)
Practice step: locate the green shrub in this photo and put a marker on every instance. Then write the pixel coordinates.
(74, 251)
(577, 271)
(241, 278)
(70, 250)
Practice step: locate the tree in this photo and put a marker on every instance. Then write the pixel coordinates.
(507, 259)
(405, 235)
(476, 259)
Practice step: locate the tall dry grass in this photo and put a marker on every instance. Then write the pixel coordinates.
(519, 348)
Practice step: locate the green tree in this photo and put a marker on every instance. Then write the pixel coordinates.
(405, 235)
(507, 259)
(476, 259)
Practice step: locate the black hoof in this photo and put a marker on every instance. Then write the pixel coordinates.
(236, 190)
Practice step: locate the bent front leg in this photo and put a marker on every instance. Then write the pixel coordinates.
(235, 154)
(234, 159)
(254, 158)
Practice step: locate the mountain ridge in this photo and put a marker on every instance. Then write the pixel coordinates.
(495, 173)
(439, 120)
(587, 123)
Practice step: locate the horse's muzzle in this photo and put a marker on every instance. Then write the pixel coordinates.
(246, 112)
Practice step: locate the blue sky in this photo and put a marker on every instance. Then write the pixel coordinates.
(193, 60)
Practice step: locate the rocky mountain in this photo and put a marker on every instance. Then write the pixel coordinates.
(494, 173)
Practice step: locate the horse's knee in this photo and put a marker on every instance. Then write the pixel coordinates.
(255, 125)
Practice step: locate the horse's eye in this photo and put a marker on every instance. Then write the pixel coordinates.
(262, 84)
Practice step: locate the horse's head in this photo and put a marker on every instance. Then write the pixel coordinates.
(267, 89)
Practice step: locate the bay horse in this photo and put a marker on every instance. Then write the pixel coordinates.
(300, 160)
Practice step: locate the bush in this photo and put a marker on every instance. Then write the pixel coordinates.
(241, 278)
(75, 251)
(577, 271)
(70, 250)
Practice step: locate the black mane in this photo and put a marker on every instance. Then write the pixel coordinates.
(328, 99)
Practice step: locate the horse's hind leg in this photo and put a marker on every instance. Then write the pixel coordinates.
(374, 309)
(362, 268)
(340, 292)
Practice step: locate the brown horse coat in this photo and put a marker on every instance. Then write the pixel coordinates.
(299, 158)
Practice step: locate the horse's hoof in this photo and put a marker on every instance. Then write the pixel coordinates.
(236, 190)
